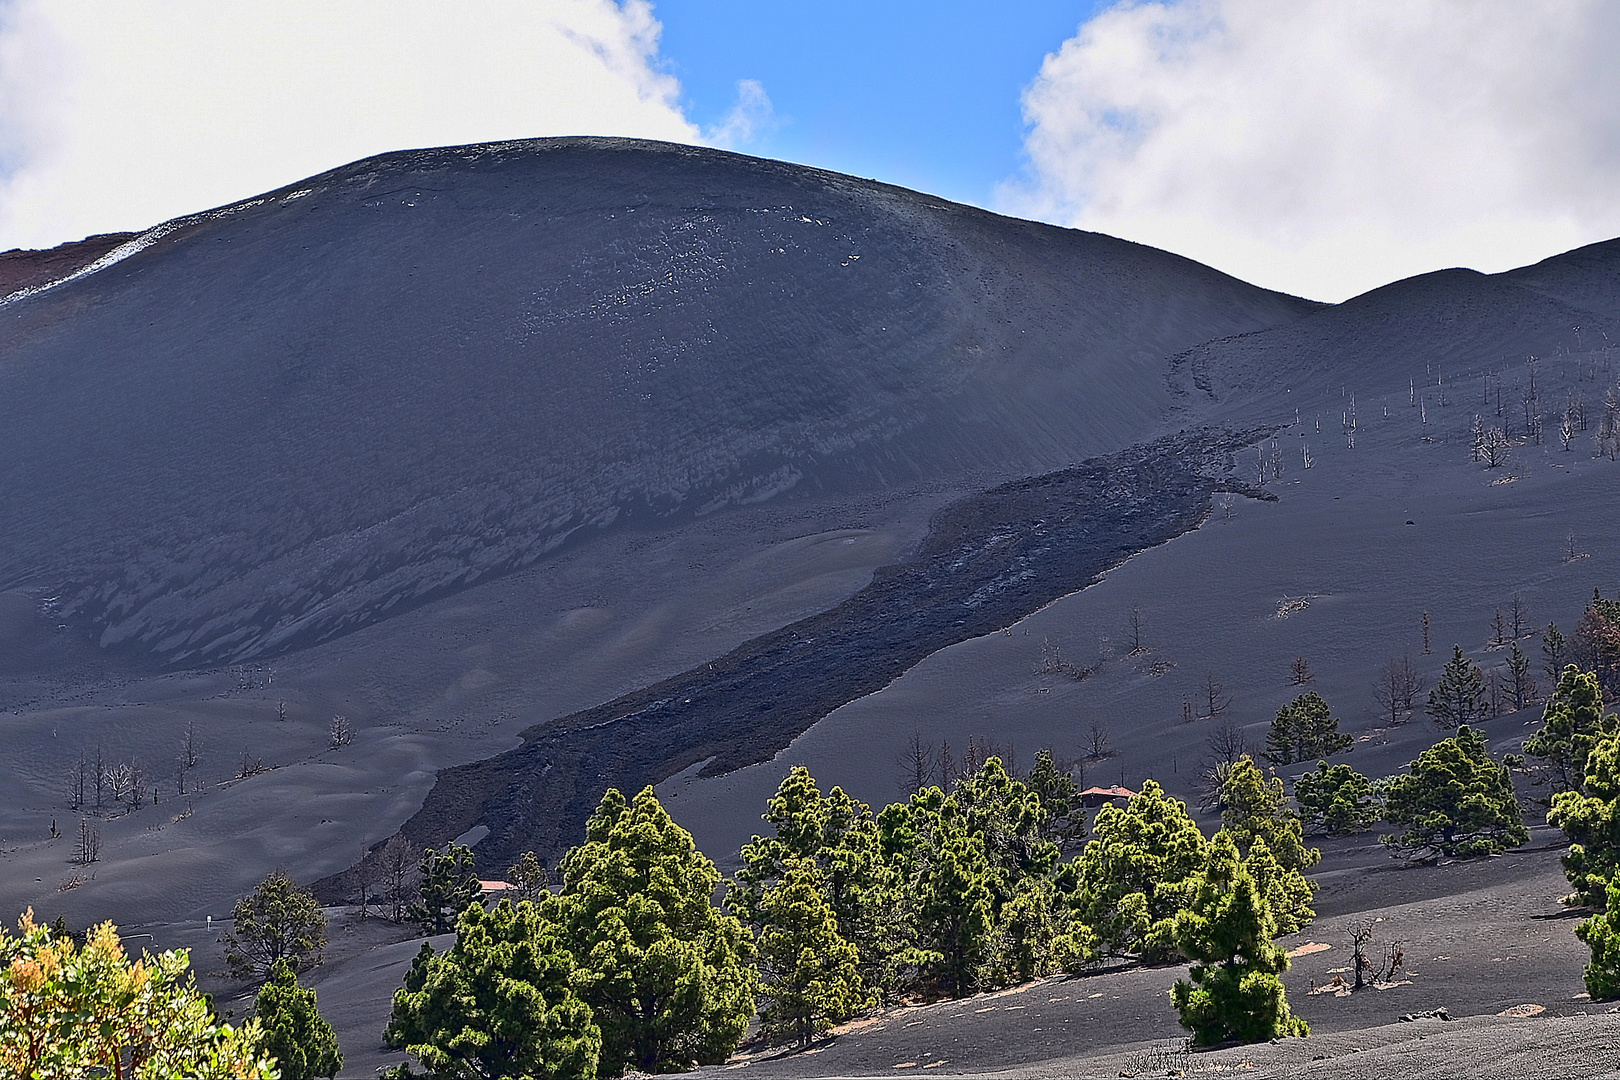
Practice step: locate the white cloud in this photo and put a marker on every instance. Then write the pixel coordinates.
(1326, 147)
(122, 113)
(751, 116)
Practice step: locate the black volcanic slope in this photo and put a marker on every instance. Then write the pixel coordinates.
(284, 419)
(989, 560)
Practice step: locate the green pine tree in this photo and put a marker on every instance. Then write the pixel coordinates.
(1255, 811)
(1336, 800)
(809, 977)
(1571, 724)
(498, 1003)
(1601, 934)
(668, 974)
(954, 902)
(1454, 800)
(1137, 871)
(279, 920)
(295, 1033)
(1234, 990)
(1065, 819)
(841, 835)
(449, 884)
(1010, 820)
(1305, 728)
(1459, 697)
(1590, 817)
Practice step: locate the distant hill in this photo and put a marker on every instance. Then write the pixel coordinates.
(285, 419)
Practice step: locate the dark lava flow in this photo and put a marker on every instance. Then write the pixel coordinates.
(988, 560)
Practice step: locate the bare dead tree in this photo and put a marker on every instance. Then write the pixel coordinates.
(119, 779)
(188, 757)
(1394, 960)
(365, 875)
(1300, 672)
(76, 782)
(1098, 742)
(1499, 629)
(1518, 616)
(948, 773)
(1216, 699)
(1227, 743)
(1135, 623)
(1397, 688)
(98, 776)
(89, 849)
(399, 863)
(339, 732)
(1494, 448)
(1425, 633)
(281, 715)
(916, 765)
(250, 766)
(136, 786)
(973, 757)
(1360, 935)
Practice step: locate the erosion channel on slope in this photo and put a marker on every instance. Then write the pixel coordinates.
(988, 560)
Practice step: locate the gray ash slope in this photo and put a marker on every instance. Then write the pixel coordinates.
(292, 417)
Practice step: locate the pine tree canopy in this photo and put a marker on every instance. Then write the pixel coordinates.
(1459, 697)
(1305, 728)
(809, 975)
(1227, 929)
(278, 920)
(669, 976)
(295, 1033)
(1571, 724)
(1454, 800)
(499, 1002)
(1256, 813)
(1590, 817)
(1137, 871)
(449, 884)
(1336, 800)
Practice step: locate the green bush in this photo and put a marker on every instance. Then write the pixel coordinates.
(295, 1033)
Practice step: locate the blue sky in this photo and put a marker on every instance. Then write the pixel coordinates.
(924, 95)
